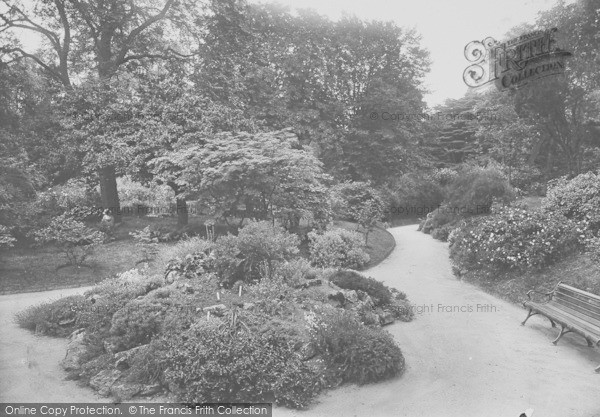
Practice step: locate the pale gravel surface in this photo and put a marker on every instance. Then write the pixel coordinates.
(480, 364)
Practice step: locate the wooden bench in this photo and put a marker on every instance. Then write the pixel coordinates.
(575, 310)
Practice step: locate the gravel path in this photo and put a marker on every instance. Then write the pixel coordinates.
(474, 362)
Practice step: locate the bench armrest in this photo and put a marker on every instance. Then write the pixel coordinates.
(547, 294)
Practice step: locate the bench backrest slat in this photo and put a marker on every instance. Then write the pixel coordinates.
(582, 304)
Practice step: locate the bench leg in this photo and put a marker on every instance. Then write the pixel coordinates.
(590, 343)
(563, 331)
(531, 313)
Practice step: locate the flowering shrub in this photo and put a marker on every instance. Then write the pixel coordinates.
(578, 199)
(75, 239)
(511, 238)
(337, 248)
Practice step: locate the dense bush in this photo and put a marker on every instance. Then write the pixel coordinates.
(354, 352)
(413, 195)
(132, 195)
(577, 199)
(512, 238)
(257, 246)
(180, 250)
(476, 188)
(352, 280)
(337, 248)
(347, 197)
(73, 238)
(209, 363)
(55, 318)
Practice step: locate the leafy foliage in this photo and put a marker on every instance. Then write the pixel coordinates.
(512, 238)
(258, 245)
(352, 280)
(337, 248)
(74, 238)
(355, 352)
(208, 363)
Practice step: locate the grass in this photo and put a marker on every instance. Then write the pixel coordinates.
(40, 269)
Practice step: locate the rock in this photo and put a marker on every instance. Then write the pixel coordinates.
(248, 306)
(123, 359)
(386, 318)
(370, 318)
(110, 346)
(75, 350)
(171, 277)
(104, 380)
(350, 296)
(125, 391)
(314, 282)
(67, 322)
(308, 351)
(150, 389)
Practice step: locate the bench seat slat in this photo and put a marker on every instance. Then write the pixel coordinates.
(582, 311)
(588, 330)
(576, 301)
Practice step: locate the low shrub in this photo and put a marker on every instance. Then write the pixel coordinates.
(258, 245)
(209, 363)
(180, 250)
(352, 280)
(354, 352)
(74, 238)
(442, 232)
(136, 323)
(512, 238)
(577, 199)
(337, 248)
(54, 318)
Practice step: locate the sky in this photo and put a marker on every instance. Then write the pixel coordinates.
(446, 26)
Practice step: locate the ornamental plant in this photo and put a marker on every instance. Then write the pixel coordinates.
(337, 248)
(74, 239)
(512, 237)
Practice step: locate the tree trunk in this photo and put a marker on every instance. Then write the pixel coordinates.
(108, 191)
(182, 211)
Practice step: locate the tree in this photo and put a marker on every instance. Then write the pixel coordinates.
(105, 36)
(262, 176)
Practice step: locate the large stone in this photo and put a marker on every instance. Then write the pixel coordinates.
(308, 351)
(123, 360)
(75, 350)
(350, 296)
(386, 318)
(150, 389)
(104, 380)
(125, 391)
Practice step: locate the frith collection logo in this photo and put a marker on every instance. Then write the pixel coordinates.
(514, 63)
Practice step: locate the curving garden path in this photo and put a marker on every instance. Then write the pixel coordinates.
(469, 363)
